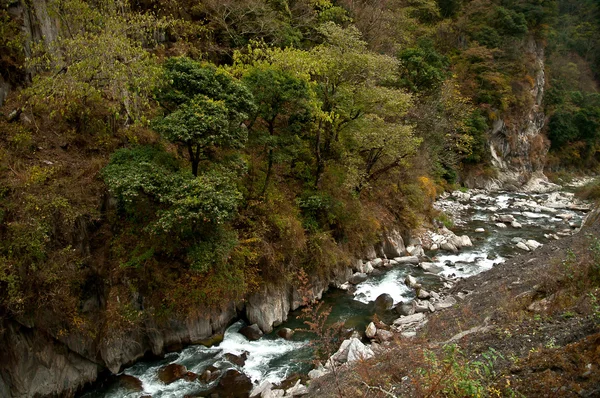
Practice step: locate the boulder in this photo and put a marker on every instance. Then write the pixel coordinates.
(370, 253)
(523, 246)
(238, 360)
(565, 216)
(444, 303)
(421, 307)
(371, 330)
(130, 383)
(366, 268)
(384, 302)
(384, 335)
(480, 230)
(533, 244)
(409, 320)
(251, 332)
(516, 224)
(405, 308)
(261, 389)
(423, 294)
(465, 241)
(171, 373)
(411, 281)
(506, 218)
(393, 244)
(414, 260)
(233, 384)
(285, 333)
(358, 278)
(448, 246)
(431, 267)
(274, 394)
(297, 391)
(319, 371)
(501, 225)
(351, 350)
(378, 262)
(516, 240)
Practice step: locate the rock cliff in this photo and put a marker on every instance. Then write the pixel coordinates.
(517, 145)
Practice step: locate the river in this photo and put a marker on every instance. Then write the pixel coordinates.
(542, 217)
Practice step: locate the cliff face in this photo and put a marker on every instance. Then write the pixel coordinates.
(518, 148)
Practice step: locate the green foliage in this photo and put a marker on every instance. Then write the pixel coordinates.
(183, 202)
(422, 68)
(98, 73)
(207, 107)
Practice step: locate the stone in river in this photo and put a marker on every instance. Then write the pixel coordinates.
(285, 333)
(407, 260)
(171, 373)
(261, 389)
(410, 281)
(233, 384)
(448, 246)
(358, 278)
(238, 360)
(501, 225)
(130, 383)
(480, 230)
(423, 294)
(506, 218)
(516, 224)
(384, 302)
(522, 246)
(252, 332)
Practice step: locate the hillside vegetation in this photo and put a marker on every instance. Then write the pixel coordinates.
(161, 156)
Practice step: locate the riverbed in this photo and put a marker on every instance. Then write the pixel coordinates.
(536, 217)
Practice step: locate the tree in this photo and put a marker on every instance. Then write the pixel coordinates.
(281, 99)
(205, 108)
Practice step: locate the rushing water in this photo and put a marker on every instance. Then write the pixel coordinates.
(274, 359)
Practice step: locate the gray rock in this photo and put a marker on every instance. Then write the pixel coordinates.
(410, 319)
(523, 246)
(393, 244)
(516, 240)
(506, 218)
(431, 267)
(423, 294)
(261, 388)
(274, 394)
(407, 260)
(533, 244)
(516, 224)
(319, 371)
(251, 332)
(296, 391)
(384, 302)
(384, 335)
(376, 263)
(448, 246)
(405, 308)
(370, 253)
(349, 351)
(358, 278)
(501, 225)
(410, 281)
(445, 303)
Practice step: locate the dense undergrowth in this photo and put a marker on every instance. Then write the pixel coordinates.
(162, 156)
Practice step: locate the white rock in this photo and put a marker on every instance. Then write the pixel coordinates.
(565, 216)
(501, 225)
(273, 394)
(533, 244)
(449, 247)
(516, 224)
(423, 294)
(345, 286)
(371, 330)
(431, 267)
(319, 371)
(480, 230)
(434, 247)
(466, 241)
(534, 215)
(523, 246)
